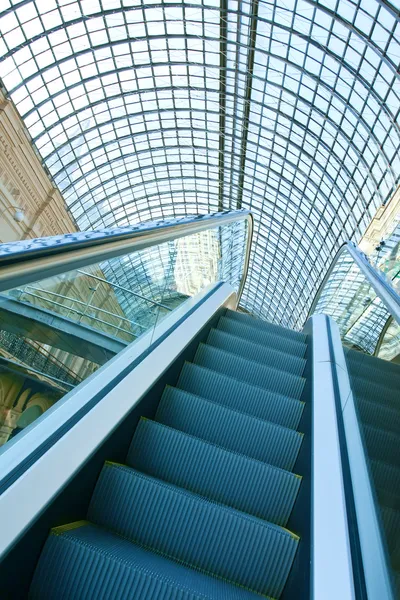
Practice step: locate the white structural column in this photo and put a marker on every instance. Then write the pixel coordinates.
(332, 572)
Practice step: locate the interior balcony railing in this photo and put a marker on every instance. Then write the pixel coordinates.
(79, 310)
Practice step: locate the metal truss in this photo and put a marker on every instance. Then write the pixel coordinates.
(146, 110)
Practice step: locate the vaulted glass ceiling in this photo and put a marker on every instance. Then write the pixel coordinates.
(143, 110)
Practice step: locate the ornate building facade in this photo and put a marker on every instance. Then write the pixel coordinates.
(25, 184)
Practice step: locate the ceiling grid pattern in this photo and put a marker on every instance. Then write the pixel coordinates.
(146, 110)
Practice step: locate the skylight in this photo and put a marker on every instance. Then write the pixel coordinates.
(148, 110)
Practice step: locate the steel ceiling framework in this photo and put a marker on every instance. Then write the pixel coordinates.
(147, 110)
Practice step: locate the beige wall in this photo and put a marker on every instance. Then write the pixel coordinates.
(382, 225)
(25, 183)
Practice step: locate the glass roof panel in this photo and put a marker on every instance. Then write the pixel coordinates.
(144, 110)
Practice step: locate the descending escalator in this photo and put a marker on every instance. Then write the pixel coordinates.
(375, 384)
(200, 509)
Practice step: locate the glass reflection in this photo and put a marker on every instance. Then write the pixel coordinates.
(56, 332)
(164, 109)
(369, 333)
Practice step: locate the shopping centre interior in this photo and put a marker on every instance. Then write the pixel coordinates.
(226, 174)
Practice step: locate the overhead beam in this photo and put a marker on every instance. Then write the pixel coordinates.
(222, 100)
(47, 327)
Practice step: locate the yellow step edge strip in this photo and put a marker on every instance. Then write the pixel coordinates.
(68, 527)
(71, 526)
(293, 535)
(110, 463)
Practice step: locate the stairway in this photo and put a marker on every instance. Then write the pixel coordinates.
(376, 384)
(200, 509)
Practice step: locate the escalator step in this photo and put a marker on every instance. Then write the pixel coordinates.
(371, 374)
(391, 523)
(389, 499)
(249, 371)
(256, 352)
(205, 469)
(262, 336)
(396, 578)
(378, 415)
(84, 562)
(189, 529)
(244, 397)
(230, 429)
(271, 327)
(371, 366)
(375, 392)
(382, 445)
(386, 476)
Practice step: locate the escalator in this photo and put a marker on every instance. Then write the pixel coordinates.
(376, 385)
(215, 455)
(202, 504)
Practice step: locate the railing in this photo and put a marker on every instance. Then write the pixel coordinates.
(83, 297)
(332, 572)
(80, 312)
(362, 301)
(25, 261)
(35, 356)
(366, 307)
(124, 289)
(46, 456)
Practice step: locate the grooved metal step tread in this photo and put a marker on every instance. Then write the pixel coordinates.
(391, 524)
(373, 376)
(260, 324)
(249, 371)
(263, 337)
(256, 352)
(378, 365)
(375, 392)
(378, 415)
(389, 499)
(229, 429)
(249, 399)
(189, 529)
(386, 476)
(374, 373)
(84, 562)
(382, 445)
(213, 472)
(396, 578)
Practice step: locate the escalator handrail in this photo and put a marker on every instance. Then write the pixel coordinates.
(24, 261)
(105, 399)
(370, 559)
(378, 281)
(383, 288)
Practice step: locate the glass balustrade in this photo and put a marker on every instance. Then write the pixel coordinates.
(57, 331)
(369, 332)
(349, 298)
